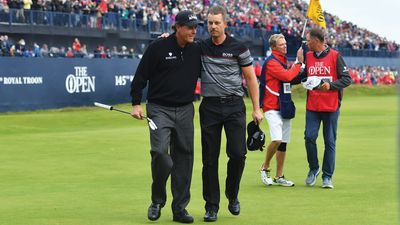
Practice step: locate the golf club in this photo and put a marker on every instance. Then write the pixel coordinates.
(151, 123)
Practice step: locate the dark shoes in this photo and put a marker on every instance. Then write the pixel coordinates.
(210, 216)
(154, 211)
(183, 217)
(234, 206)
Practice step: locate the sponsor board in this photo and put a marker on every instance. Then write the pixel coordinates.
(43, 83)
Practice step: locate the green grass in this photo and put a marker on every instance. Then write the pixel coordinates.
(85, 166)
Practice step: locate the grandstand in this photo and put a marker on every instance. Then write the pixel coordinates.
(126, 20)
(122, 29)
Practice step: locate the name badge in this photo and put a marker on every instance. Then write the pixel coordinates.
(287, 88)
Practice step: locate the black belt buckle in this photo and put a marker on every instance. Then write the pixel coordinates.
(226, 99)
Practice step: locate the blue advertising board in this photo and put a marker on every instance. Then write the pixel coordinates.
(44, 83)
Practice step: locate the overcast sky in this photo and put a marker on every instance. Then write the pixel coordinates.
(379, 16)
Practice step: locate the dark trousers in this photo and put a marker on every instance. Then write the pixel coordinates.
(175, 133)
(329, 121)
(230, 114)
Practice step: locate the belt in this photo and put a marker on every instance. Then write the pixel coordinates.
(222, 99)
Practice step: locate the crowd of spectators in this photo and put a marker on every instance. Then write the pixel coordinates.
(286, 16)
(75, 50)
(374, 75)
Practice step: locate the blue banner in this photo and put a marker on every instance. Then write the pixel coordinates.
(44, 83)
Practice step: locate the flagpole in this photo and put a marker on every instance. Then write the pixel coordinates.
(304, 28)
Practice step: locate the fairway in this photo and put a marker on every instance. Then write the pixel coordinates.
(90, 166)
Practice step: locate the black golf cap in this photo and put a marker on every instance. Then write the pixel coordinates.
(186, 18)
(255, 137)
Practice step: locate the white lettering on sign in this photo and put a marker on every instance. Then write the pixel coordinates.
(21, 80)
(80, 81)
(122, 80)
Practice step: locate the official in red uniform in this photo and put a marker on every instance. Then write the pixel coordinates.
(323, 104)
(275, 82)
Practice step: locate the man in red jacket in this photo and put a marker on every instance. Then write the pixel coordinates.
(323, 104)
(275, 84)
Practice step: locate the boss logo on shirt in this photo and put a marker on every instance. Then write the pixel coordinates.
(170, 56)
(228, 55)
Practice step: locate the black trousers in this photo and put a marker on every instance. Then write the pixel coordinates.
(175, 133)
(217, 113)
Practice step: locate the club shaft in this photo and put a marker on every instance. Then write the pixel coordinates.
(122, 111)
(152, 125)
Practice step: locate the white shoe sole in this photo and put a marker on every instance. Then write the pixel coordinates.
(285, 185)
(266, 182)
(327, 186)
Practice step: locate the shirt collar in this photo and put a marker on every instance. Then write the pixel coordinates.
(280, 56)
(322, 53)
(227, 40)
(175, 41)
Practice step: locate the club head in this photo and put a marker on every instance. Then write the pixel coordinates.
(152, 125)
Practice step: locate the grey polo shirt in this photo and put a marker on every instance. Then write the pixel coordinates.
(221, 73)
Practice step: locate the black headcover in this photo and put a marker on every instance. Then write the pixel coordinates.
(255, 137)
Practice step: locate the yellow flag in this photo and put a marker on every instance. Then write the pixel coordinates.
(316, 14)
